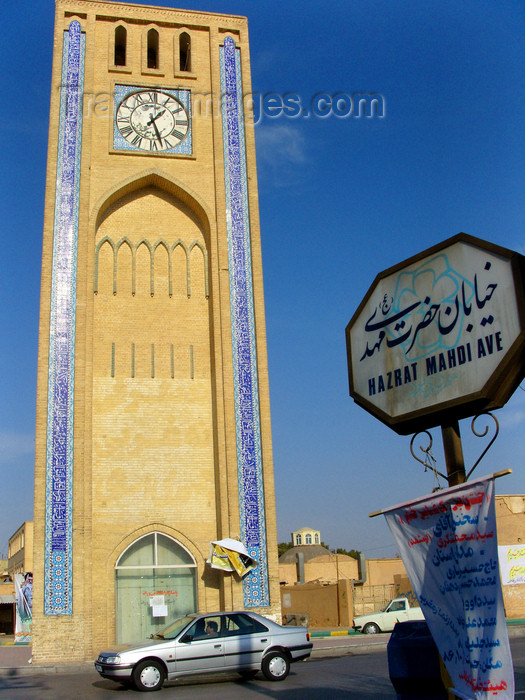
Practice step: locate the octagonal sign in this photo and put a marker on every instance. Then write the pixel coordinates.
(440, 336)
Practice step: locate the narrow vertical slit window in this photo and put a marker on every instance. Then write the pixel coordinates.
(153, 48)
(120, 46)
(185, 52)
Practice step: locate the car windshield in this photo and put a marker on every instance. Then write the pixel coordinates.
(173, 629)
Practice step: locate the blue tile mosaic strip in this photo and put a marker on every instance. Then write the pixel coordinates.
(58, 591)
(249, 459)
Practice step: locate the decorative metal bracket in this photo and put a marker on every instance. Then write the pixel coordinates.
(429, 460)
(487, 448)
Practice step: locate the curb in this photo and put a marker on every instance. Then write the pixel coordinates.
(29, 670)
(333, 633)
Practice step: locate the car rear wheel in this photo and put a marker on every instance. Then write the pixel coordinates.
(371, 628)
(148, 675)
(275, 666)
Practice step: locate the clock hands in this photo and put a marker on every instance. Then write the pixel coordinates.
(152, 122)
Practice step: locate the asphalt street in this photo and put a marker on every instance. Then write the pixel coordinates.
(339, 668)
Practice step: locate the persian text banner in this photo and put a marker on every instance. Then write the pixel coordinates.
(448, 544)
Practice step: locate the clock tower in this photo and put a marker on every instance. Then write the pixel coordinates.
(153, 419)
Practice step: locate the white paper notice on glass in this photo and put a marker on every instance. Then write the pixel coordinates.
(159, 610)
(156, 600)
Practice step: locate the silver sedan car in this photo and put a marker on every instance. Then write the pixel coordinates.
(215, 642)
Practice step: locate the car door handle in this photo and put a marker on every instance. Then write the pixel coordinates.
(217, 646)
(263, 640)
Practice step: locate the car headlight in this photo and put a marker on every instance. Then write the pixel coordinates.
(111, 659)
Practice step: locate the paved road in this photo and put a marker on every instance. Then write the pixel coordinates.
(361, 676)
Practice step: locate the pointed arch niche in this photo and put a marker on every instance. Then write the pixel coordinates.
(152, 406)
(153, 565)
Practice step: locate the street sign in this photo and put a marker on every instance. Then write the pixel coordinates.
(440, 336)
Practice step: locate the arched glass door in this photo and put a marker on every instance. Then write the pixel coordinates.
(155, 583)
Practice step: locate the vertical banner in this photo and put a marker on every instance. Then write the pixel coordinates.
(448, 544)
(24, 608)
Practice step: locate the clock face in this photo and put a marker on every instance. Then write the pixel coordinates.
(152, 120)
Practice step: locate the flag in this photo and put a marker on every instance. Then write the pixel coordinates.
(24, 607)
(230, 555)
(448, 544)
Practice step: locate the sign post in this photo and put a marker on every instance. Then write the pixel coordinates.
(440, 337)
(453, 454)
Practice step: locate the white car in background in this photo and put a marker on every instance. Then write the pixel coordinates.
(398, 610)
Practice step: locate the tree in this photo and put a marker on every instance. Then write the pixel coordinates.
(354, 553)
(283, 547)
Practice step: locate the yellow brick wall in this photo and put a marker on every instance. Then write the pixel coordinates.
(151, 453)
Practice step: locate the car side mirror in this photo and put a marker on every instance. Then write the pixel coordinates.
(186, 638)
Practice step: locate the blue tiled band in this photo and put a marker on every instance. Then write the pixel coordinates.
(249, 460)
(58, 594)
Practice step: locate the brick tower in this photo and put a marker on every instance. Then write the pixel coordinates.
(153, 418)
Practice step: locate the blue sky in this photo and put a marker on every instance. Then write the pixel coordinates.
(341, 198)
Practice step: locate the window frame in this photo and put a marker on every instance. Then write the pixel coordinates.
(155, 564)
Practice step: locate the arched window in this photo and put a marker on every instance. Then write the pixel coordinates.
(308, 539)
(185, 52)
(120, 46)
(153, 48)
(155, 583)
(316, 538)
(298, 539)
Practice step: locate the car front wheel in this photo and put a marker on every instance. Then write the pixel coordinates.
(371, 628)
(275, 666)
(148, 675)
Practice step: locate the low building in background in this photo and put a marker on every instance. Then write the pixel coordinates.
(20, 553)
(314, 563)
(510, 522)
(306, 536)
(323, 589)
(7, 600)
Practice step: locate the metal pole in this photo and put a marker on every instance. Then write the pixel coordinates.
(453, 453)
